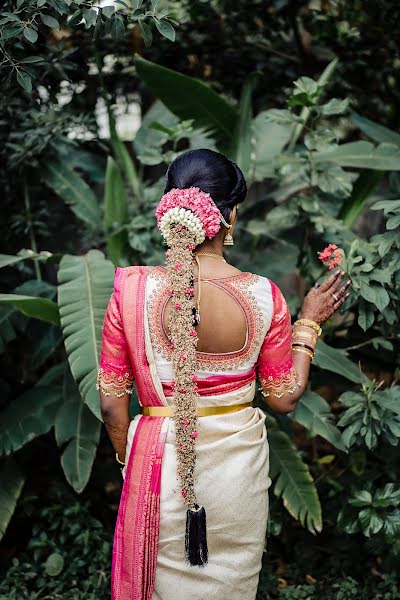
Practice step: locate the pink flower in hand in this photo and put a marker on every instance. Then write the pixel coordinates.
(331, 256)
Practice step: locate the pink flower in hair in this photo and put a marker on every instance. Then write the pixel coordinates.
(193, 333)
(194, 199)
(177, 266)
(183, 356)
(184, 493)
(185, 422)
(178, 305)
(195, 434)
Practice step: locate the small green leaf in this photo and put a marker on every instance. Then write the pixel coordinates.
(90, 17)
(117, 28)
(24, 81)
(76, 18)
(32, 59)
(108, 11)
(335, 107)
(50, 21)
(166, 29)
(146, 33)
(382, 298)
(30, 34)
(361, 498)
(393, 222)
(54, 564)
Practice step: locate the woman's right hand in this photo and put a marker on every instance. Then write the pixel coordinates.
(323, 300)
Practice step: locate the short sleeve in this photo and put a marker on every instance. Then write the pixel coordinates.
(115, 374)
(275, 369)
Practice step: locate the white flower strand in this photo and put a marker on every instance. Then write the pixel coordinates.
(184, 217)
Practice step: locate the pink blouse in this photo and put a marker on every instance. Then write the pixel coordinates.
(268, 354)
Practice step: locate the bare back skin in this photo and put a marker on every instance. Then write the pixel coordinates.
(222, 327)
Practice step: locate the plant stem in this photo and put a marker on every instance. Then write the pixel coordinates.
(31, 231)
(305, 113)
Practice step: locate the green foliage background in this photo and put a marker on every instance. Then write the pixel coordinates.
(95, 102)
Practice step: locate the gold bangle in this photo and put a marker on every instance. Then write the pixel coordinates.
(305, 332)
(118, 460)
(310, 354)
(300, 336)
(309, 323)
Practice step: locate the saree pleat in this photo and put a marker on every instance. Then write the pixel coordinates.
(137, 527)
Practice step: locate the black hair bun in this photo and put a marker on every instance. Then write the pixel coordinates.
(239, 190)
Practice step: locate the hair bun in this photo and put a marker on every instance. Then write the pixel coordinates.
(239, 191)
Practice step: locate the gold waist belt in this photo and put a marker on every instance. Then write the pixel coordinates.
(202, 411)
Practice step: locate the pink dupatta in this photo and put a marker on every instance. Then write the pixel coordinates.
(137, 528)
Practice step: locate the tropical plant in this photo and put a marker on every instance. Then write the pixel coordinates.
(308, 184)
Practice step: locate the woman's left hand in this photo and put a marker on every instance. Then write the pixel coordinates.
(323, 300)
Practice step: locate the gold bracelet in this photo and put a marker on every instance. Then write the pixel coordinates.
(304, 332)
(310, 354)
(118, 460)
(309, 323)
(303, 337)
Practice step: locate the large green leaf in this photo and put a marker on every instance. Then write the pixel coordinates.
(293, 481)
(11, 483)
(115, 212)
(241, 151)
(46, 339)
(354, 205)
(7, 260)
(376, 132)
(364, 155)
(11, 323)
(70, 186)
(37, 308)
(85, 286)
(147, 137)
(78, 429)
(190, 98)
(28, 416)
(335, 360)
(269, 140)
(314, 413)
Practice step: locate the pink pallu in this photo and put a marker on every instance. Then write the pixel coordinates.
(137, 528)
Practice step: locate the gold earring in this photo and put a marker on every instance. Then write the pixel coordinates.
(228, 240)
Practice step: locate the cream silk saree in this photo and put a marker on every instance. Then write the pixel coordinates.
(232, 459)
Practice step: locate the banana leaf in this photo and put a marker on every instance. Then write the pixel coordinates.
(85, 286)
(77, 430)
(190, 98)
(11, 483)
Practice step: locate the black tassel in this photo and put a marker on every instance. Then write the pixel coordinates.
(196, 536)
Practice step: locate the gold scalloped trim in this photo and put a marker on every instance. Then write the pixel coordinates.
(112, 383)
(287, 383)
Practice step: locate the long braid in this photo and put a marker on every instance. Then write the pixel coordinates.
(184, 338)
(185, 218)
